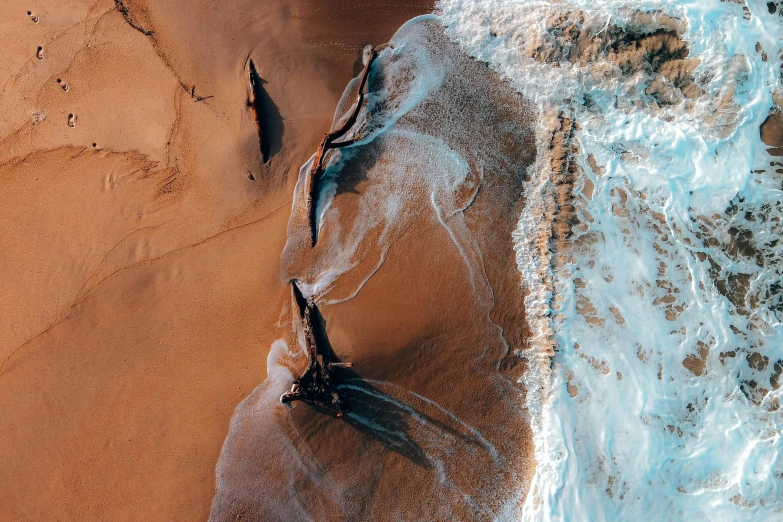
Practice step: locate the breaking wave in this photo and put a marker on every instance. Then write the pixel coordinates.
(651, 249)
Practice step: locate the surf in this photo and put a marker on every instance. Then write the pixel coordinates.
(650, 250)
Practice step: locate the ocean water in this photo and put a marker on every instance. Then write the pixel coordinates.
(657, 321)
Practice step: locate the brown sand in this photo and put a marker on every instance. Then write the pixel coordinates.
(433, 331)
(140, 281)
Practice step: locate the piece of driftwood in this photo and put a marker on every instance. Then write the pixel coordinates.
(256, 104)
(318, 383)
(328, 143)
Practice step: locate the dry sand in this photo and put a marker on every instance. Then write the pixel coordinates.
(140, 280)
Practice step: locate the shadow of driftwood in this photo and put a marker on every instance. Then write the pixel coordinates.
(398, 424)
(270, 122)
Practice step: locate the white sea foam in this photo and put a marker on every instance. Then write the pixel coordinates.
(676, 258)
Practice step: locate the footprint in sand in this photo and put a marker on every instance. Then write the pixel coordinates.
(63, 85)
(71, 120)
(33, 17)
(39, 53)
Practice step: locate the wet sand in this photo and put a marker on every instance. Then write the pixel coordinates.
(140, 282)
(427, 305)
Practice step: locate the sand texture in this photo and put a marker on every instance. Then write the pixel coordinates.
(426, 304)
(140, 262)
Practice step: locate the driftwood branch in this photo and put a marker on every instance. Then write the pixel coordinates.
(327, 143)
(256, 104)
(318, 383)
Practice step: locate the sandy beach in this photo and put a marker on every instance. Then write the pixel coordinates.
(413, 275)
(141, 285)
(310, 260)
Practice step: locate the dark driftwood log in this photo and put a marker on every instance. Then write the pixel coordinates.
(327, 143)
(256, 103)
(318, 383)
